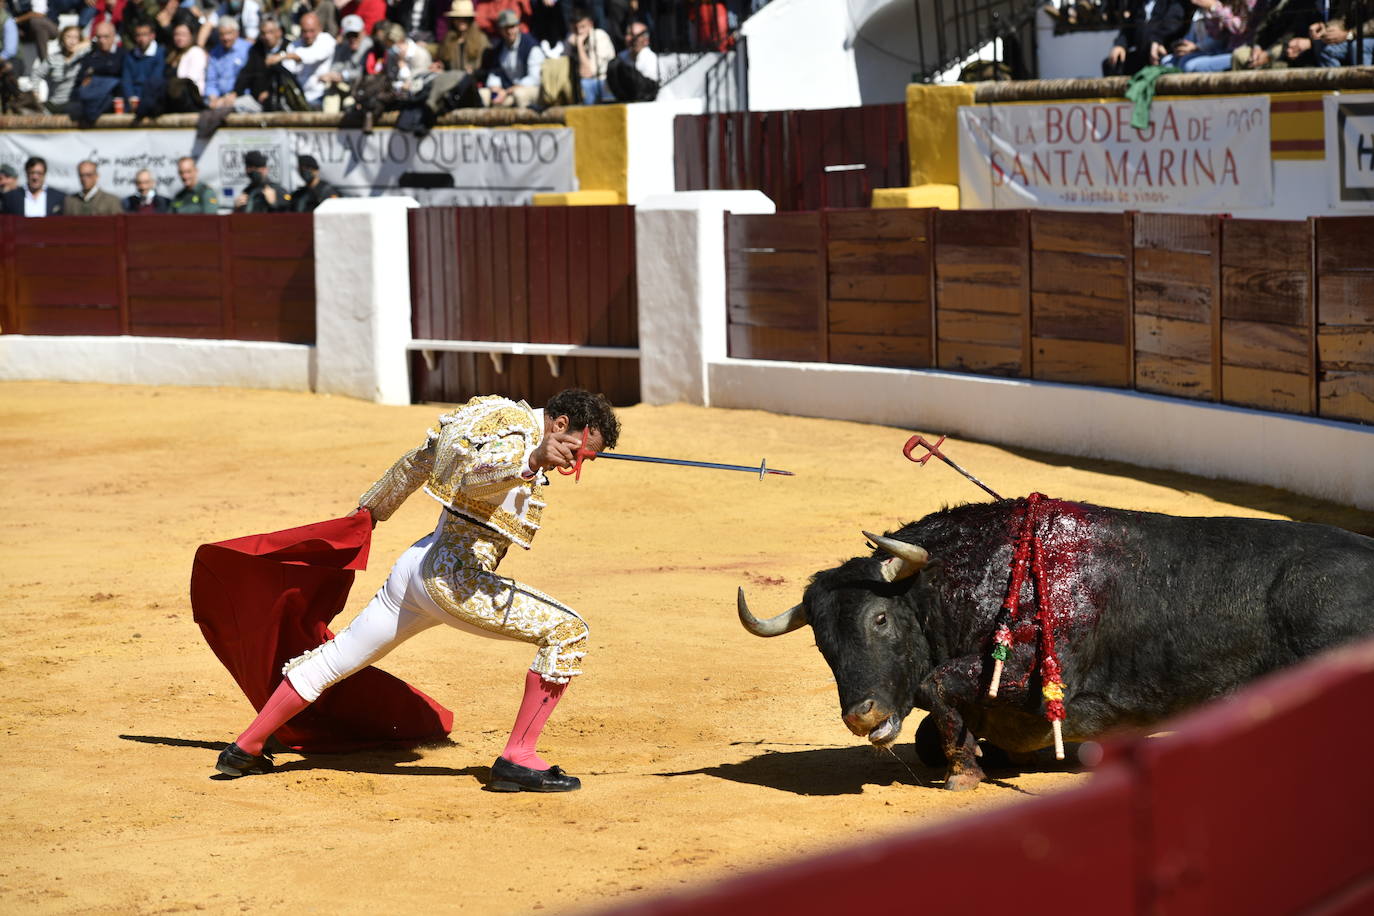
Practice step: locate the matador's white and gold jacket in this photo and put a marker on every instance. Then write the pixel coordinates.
(475, 461)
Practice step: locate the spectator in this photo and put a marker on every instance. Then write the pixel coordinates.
(513, 65)
(633, 75)
(263, 194)
(187, 61)
(146, 199)
(549, 25)
(1335, 44)
(97, 80)
(256, 88)
(592, 52)
(408, 64)
(315, 191)
(226, 60)
(9, 179)
(489, 13)
(324, 10)
(143, 66)
(9, 38)
(90, 200)
(1283, 20)
(464, 46)
(346, 68)
(59, 71)
(415, 17)
(195, 196)
(374, 61)
(1223, 26)
(370, 12)
(36, 198)
(1148, 29)
(247, 14)
(35, 26)
(308, 57)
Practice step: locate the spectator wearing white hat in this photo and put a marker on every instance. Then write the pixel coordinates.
(464, 44)
(370, 12)
(346, 67)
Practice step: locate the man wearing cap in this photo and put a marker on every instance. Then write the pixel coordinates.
(90, 200)
(346, 67)
(195, 196)
(368, 12)
(9, 178)
(263, 195)
(315, 191)
(513, 65)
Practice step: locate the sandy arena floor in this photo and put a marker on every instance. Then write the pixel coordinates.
(704, 751)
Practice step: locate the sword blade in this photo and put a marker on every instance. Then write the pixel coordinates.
(760, 469)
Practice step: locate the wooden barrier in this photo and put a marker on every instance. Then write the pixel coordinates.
(1344, 268)
(239, 277)
(1258, 313)
(878, 295)
(1081, 328)
(982, 291)
(562, 275)
(803, 160)
(775, 267)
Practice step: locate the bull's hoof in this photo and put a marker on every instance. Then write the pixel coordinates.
(963, 782)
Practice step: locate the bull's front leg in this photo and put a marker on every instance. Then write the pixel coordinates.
(949, 687)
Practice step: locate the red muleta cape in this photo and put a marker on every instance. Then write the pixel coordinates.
(262, 600)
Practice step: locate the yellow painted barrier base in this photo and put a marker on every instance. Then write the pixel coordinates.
(943, 196)
(578, 199)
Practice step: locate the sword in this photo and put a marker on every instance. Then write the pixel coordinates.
(583, 453)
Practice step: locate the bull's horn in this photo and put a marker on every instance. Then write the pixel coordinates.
(791, 619)
(906, 560)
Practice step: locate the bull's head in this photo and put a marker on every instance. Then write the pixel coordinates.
(867, 632)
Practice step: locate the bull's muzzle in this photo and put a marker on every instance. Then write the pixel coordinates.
(869, 720)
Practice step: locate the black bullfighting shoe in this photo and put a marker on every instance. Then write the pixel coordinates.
(511, 777)
(234, 761)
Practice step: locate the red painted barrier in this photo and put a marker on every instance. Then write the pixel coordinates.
(1256, 804)
(237, 277)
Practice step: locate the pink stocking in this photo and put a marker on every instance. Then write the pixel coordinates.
(284, 703)
(540, 699)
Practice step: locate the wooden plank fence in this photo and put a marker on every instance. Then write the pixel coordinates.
(1257, 313)
(239, 277)
(803, 160)
(556, 275)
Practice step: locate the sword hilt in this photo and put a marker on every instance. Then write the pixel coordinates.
(579, 456)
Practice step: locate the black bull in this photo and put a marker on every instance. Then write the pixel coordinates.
(1151, 614)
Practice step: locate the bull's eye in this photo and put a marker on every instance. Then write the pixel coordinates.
(880, 620)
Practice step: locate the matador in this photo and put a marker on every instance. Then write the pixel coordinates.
(484, 463)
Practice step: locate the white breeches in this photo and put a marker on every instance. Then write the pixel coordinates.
(457, 567)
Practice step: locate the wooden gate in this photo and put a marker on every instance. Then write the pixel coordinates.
(523, 275)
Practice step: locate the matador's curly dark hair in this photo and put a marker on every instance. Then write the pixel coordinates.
(582, 408)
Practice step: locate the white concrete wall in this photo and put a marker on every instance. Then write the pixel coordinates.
(158, 361)
(798, 56)
(1329, 460)
(680, 245)
(362, 297)
(649, 130)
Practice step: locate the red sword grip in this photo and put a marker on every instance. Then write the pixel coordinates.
(582, 454)
(919, 441)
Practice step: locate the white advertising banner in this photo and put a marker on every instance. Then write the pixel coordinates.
(448, 166)
(1350, 150)
(1206, 155)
